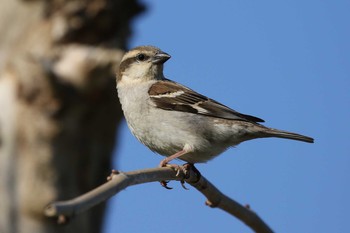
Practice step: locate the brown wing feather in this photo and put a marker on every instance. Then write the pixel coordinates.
(169, 95)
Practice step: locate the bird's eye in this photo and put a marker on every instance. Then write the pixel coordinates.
(141, 57)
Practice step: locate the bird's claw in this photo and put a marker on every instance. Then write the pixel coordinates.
(184, 169)
(174, 166)
(183, 184)
(164, 183)
(190, 166)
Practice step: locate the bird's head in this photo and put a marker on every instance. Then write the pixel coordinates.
(142, 63)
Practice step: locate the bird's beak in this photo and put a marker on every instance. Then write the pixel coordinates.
(160, 58)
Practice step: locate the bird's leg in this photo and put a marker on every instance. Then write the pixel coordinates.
(165, 162)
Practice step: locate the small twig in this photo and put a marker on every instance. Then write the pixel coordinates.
(121, 180)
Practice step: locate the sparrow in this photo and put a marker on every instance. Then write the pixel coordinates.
(176, 121)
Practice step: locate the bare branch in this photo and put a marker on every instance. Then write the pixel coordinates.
(121, 180)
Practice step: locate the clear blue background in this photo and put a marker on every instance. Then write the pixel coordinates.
(287, 62)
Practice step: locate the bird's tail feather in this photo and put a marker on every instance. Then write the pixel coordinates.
(285, 134)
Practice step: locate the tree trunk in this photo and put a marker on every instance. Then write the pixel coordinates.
(59, 110)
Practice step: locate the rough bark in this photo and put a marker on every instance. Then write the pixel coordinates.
(58, 105)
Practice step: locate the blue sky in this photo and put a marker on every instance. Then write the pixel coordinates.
(287, 62)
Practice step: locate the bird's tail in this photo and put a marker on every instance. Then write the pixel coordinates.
(269, 132)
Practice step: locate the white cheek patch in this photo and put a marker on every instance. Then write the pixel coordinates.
(137, 71)
(126, 80)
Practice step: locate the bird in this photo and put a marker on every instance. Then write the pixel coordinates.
(176, 121)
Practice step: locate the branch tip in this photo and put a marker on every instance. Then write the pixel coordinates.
(113, 173)
(50, 210)
(211, 204)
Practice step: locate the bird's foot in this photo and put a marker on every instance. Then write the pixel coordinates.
(185, 169)
(164, 183)
(183, 184)
(164, 163)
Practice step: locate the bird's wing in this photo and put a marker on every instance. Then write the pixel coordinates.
(169, 95)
